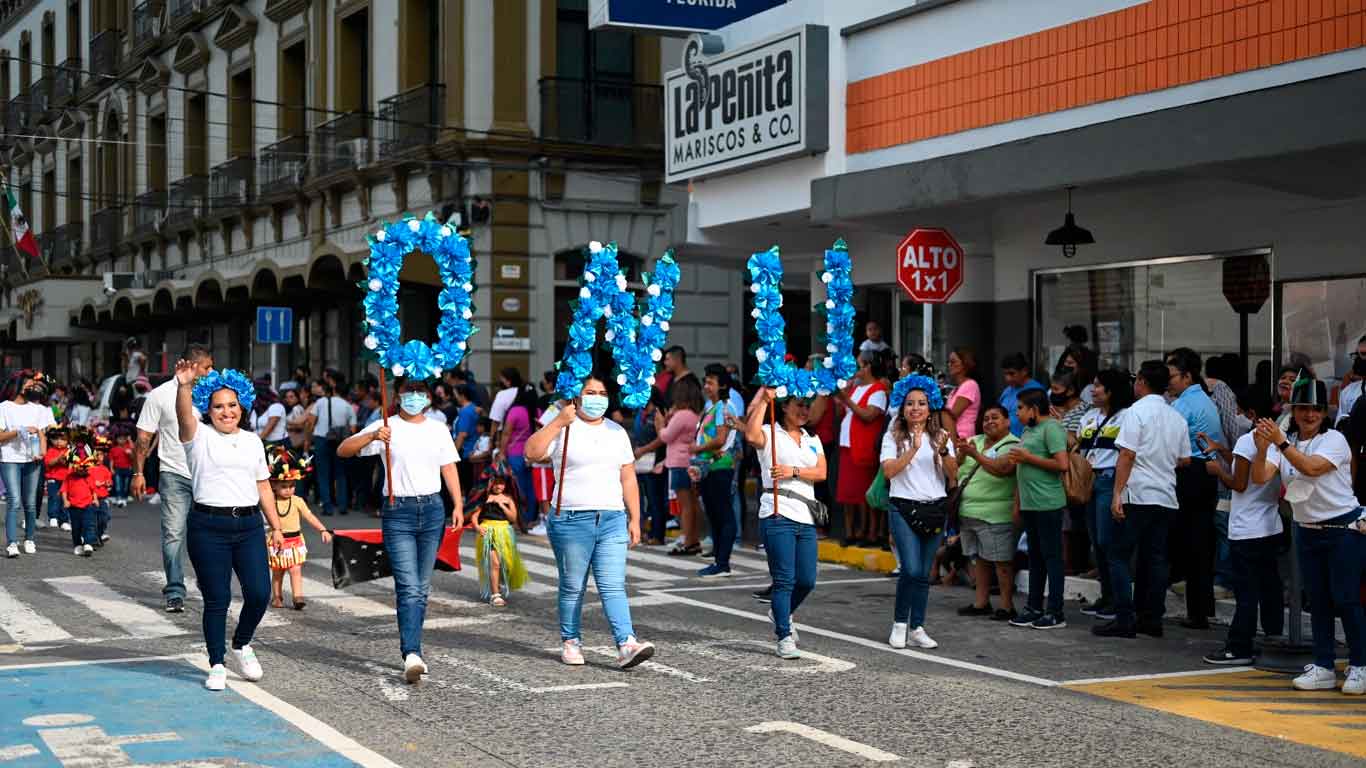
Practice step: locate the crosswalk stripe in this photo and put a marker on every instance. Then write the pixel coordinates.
(350, 604)
(135, 618)
(469, 570)
(24, 625)
(633, 572)
(552, 574)
(192, 592)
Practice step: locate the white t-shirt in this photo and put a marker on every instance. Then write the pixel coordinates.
(1159, 438)
(224, 469)
(921, 480)
(804, 455)
(869, 345)
(1332, 494)
(158, 415)
(1103, 454)
(1253, 513)
(878, 400)
(1347, 398)
(78, 416)
(328, 407)
(17, 449)
(545, 418)
(274, 411)
(501, 403)
(417, 452)
(592, 477)
(435, 415)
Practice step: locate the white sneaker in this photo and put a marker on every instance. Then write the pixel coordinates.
(414, 668)
(217, 679)
(30, 548)
(791, 628)
(247, 664)
(538, 529)
(898, 638)
(52, 522)
(12, 550)
(1316, 678)
(787, 648)
(66, 526)
(1356, 681)
(105, 537)
(571, 653)
(921, 639)
(633, 652)
(154, 499)
(78, 550)
(87, 550)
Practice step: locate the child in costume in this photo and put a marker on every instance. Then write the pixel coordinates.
(55, 471)
(80, 497)
(121, 460)
(286, 470)
(495, 549)
(104, 486)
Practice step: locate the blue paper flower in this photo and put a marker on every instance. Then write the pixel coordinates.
(766, 276)
(916, 381)
(383, 334)
(205, 386)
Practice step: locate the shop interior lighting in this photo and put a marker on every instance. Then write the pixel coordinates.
(1069, 235)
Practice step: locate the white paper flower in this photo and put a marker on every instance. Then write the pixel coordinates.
(607, 310)
(462, 345)
(375, 284)
(621, 379)
(467, 314)
(371, 321)
(467, 287)
(753, 287)
(826, 277)
(842, 383)
(651, 380)
(380, 235)
(647, 320)
(756, 313)
(414, 225)
(445, 231)
(829, 303)
(595, 246)
(584, 293)
(664, 326)
(761, 354)
(832, 348)
(397, 369)
(609, 335)
(781, 392)
(371, 342)
(656, 355)
(653, 290)
(828, 362)
(621, 282)
(589, 277)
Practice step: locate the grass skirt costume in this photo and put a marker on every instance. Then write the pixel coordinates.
(500, 538)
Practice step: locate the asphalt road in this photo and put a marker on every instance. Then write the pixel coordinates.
(715, 695)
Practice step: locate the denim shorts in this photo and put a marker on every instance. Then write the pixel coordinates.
(679, 480)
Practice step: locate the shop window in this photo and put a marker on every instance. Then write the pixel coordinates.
(1321, 324)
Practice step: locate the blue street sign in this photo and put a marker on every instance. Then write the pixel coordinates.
(676, 15)
(274, 325)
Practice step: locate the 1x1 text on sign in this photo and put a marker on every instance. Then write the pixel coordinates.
(929, 265)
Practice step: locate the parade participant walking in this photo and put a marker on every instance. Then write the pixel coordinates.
(595, 519)
(56, 470)
(158, 420)
(420, 457)
(1315, 465)
(286, 470)
(230, 488)
(24, 422)
(920, 464)
(495, 550)
(789, 530)
(987, 528)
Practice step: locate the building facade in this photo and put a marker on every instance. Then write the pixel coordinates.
(186, 161)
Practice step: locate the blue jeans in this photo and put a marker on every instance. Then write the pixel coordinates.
(103, 517)
(1102, 494)
(717, 503)
(413, 528)
(1144, 529)
(791, 549)
(521, 472)
(916, 554)
(329, 471)
(84, 525)
(55, 510)
(123, 479)
(586, 540)
(21, 493)
(220, 546)
(654, 502)
(1331, 562)
(1257, 588)
(177, 496)
(1044, 528)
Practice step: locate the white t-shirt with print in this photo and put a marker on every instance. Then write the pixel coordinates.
(592, 475)
(417, 452)
(224, 469)
(1332, 494)
(274, 411)
(804, 455)
(1254, 513)
(1159, 438)
(878, 400)
(158, 416)
(1104, 455)
(922, 479)
(18, 417)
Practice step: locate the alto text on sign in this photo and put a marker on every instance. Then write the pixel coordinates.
(929, 265)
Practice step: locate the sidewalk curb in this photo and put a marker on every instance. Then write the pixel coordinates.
(864, 558)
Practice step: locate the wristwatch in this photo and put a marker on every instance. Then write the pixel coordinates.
(1284, 444)
(944, 451)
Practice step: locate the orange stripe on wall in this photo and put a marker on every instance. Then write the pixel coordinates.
(1144, 48)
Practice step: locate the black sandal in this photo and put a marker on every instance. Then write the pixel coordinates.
(299, 604)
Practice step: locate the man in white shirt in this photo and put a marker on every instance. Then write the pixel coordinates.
(158, 421)
(331, 419)
(1153, 441)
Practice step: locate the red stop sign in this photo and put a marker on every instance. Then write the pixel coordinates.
(929, 265)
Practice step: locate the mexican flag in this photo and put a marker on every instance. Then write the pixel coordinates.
(23, 236)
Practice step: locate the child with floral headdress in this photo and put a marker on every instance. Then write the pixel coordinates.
(286, 470)
(495, 549)
(103, 479)
(55, 471)
(80, 495)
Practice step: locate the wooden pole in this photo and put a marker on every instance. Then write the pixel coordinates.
(773, 448)
(384, 414)
(564, 460)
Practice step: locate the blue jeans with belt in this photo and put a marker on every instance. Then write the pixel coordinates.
(916, 553)
(1331, 562)
(219, 546)
(791, 549)
(413, 528)
(21, 494)
(596, 541)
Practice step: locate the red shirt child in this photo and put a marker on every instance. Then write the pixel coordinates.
(79, 491)
(55, 463)
(121, 457)
(102, 479)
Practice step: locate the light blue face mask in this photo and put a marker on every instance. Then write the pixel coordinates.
(594, 406)
(414, 403)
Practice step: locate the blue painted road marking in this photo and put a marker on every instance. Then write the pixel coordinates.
(142, 713)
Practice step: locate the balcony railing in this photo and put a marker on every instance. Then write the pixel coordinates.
(67, 83)
(62, 245)
(185, 201)
(145, 23)
(17, 115)
(183, 12)
(342, 143)
(618, 114)
(104, 56)
(283, 166)
(106, 230)
(231, 184)
(410, 119)
(40, 99)
(148, 208)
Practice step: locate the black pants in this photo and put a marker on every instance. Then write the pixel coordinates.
(1257, 587)
(1197, 493)
(720, 514)
(220, 546)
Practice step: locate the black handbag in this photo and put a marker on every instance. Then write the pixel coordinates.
(820, 514)
(926, 518)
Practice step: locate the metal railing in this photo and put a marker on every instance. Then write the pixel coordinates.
(184, 11)
(611, 113)
(411, 119)
(104, 56)
(106, 229)
(232, 184)
(144, 23)
(40, 99)
(63, 244)
(17, 115)
(342, 143)
(67, 83)
(148, 208)
(185, 201)
(282, 166)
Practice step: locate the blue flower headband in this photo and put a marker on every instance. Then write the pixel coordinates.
(917, 381)
(636, 343)
(766, 277)
(205, 386)
(383, 334)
